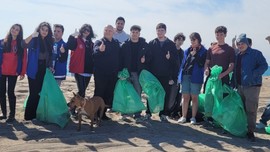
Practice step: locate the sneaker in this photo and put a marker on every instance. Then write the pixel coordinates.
(182, 120)
(260, 125)
(147, 117)
(163, 118)
(10, 120)
(250, 136)
(3, 117)
(193, 121)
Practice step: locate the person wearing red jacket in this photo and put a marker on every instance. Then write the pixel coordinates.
(81, 59)
(13, 65)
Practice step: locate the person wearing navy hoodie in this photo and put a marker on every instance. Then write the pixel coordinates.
(164, 65)
(106, 60)
(40, 45)
(13, 62)
(134, 57)
(60, 55)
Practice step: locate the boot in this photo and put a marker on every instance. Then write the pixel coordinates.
(12, 107)
(3, 104)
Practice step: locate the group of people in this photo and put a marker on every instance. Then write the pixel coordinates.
(175, 68)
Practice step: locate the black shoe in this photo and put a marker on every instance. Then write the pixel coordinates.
(3, 117)
(104, 117)
(250, 136)
(10, 120)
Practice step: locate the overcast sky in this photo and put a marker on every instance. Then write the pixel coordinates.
(187, 16)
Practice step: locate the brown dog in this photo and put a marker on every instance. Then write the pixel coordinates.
(89, 107)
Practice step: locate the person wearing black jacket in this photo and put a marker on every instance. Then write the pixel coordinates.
(134, 57)
(107, 65)
(164, 65)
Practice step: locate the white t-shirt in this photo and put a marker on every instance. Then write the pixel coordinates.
(121, 37)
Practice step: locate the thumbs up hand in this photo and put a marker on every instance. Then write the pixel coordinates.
(193, 52)
(62, 49)
(143, 59)
(102, 47)
(76, 33)
(168, 55)
(35, 34)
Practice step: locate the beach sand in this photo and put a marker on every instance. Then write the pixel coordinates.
(122, 136)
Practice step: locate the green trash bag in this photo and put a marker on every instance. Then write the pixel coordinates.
(154, 90)
(201, 103)
(267, 129)
(126, 100)
(213, 90)
(230, 113)
(52, 106)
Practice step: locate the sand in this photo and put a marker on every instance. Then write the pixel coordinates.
(122, 136)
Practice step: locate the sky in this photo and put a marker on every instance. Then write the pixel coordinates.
(187, 16)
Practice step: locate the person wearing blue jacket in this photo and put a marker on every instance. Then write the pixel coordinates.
(250, 66)
(192, 76)
(60, 54)
(40, 45)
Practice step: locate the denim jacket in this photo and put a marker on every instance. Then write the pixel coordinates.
(253, 65)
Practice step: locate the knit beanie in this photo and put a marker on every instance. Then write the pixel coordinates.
(242, 38)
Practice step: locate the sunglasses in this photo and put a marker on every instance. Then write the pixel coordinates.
(86, 30)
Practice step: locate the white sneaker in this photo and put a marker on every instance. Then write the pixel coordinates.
(193, 121)
(182, 120)
(260, 125)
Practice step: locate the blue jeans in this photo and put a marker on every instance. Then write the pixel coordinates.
(266, 115)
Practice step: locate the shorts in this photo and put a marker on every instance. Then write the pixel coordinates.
(190, 88)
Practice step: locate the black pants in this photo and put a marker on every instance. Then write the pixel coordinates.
(82, 83)
(164, 81)
(104, 87)
(11, 80)
(35, 86)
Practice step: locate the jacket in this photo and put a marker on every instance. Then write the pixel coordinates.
(198, 68)
(33, 54)
(107, 62)
(11, 64)
(81, 56)
(126, 55)
(159, 64)
(253, 66)
(60, 66)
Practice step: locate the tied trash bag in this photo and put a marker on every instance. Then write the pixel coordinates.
(224, 105)
(154, 90)
(213, 88)
(52, 107)
(126, 100)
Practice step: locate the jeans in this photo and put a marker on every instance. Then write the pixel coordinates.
(266, 115)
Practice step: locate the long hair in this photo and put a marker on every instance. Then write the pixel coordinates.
(47, 43)
(89, 27)
(19, 38)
